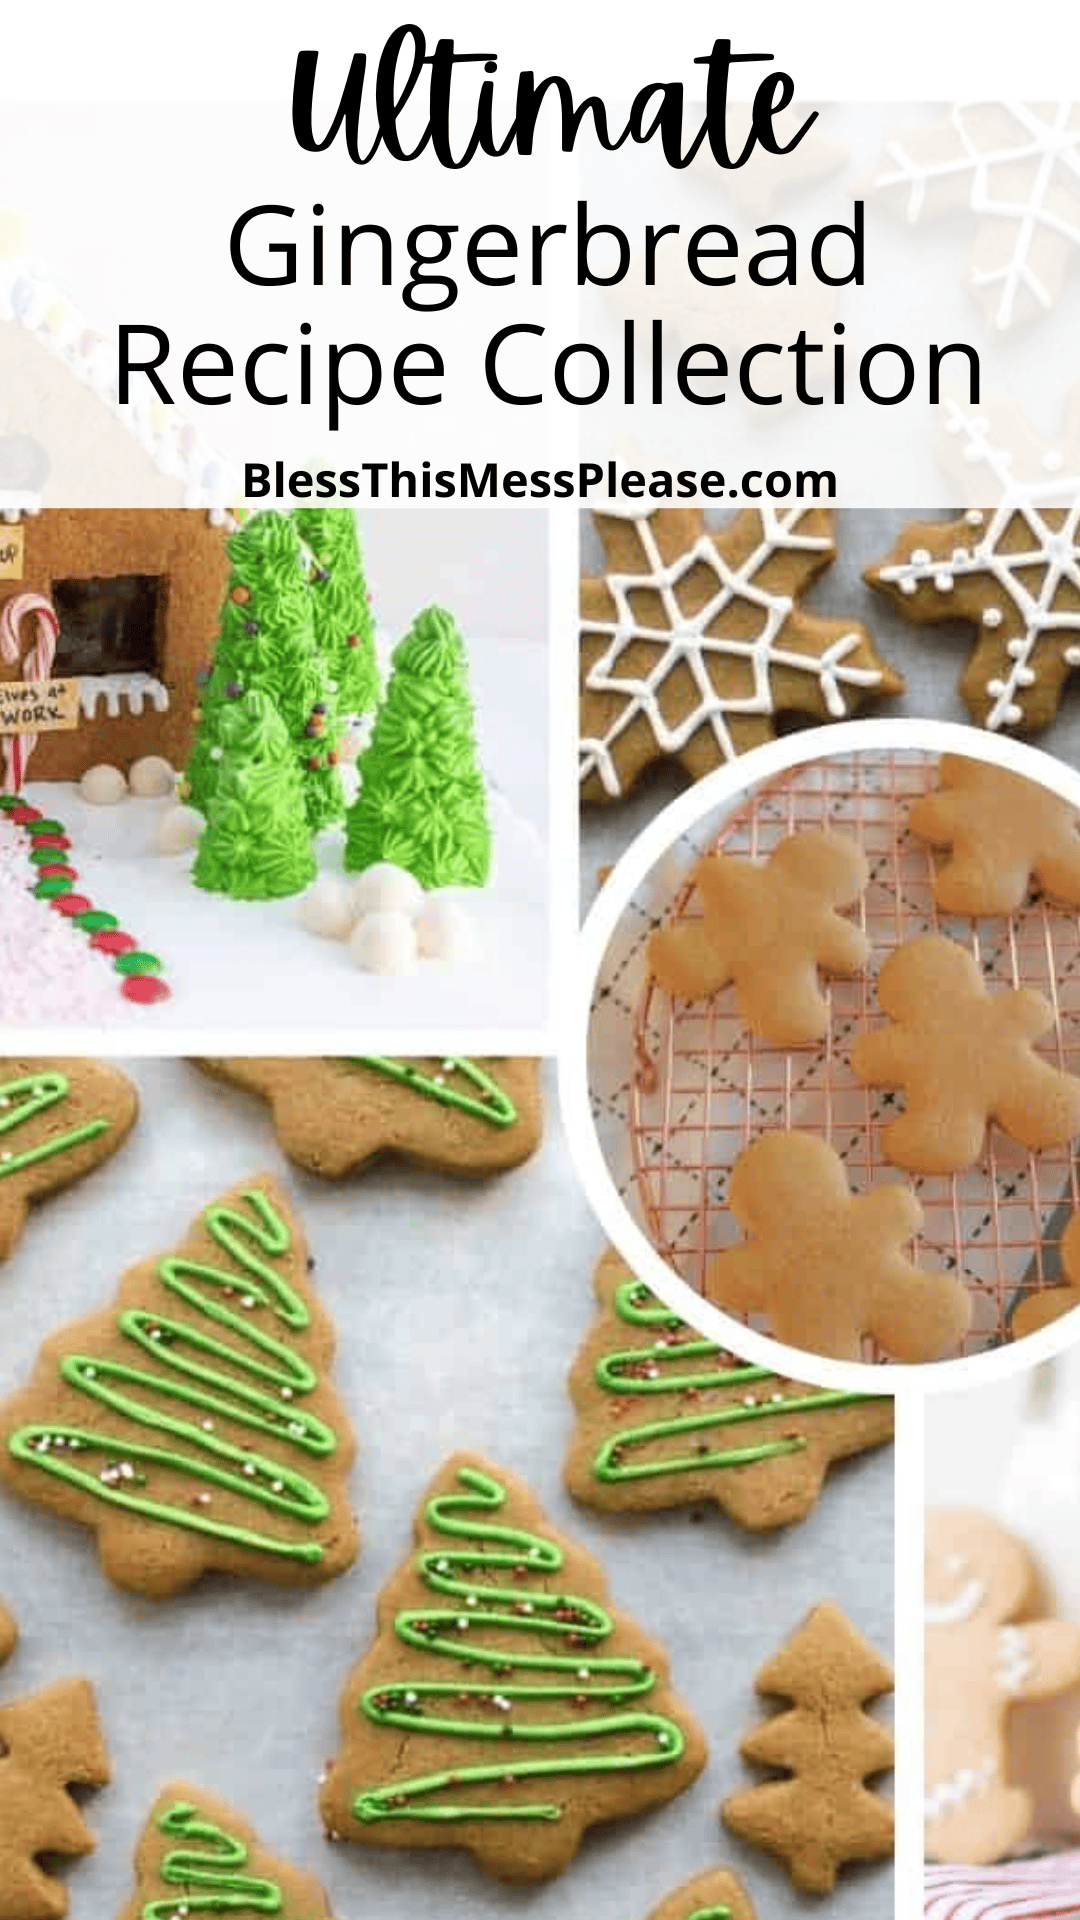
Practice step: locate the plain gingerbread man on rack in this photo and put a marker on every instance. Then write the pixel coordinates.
(767, 930)
(827, 1266)
(963, 1057)
(1004, 832)
(982, 1653)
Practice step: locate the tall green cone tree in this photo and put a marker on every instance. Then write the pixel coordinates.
(256, 844)
(344, 626)
(266, 644)
(422, 802)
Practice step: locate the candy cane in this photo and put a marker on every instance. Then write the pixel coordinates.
(37, 665)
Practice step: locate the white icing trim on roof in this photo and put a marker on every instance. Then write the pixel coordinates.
(115, 688)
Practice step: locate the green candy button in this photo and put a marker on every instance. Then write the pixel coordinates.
(96, 921)
(138, 962)
(47, 826)
(51, 889)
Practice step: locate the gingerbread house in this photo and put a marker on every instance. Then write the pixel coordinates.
(137, 594)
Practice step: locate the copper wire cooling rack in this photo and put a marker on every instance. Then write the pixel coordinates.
(703, 1088)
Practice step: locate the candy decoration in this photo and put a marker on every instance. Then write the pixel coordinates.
(108, 942)
(96, 920)
(37, 665)
(138, 962)
(71, 905)
(145, 989)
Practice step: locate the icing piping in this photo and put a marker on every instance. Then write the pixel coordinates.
(963, 1606)
(573, 1678)
(687, 647)
(710, 1913)
(262, 1399)
(637, 1306)
(43, 1090)
(211, 1865)
(967, 1783)
(494, 1105)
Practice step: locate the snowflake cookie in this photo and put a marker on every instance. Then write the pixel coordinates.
(983, 1651)
(692, 641)
(1016, 168)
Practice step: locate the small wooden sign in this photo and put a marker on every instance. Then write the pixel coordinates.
(38, 706)
(11, 552)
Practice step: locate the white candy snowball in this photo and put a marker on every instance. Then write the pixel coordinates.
(179, 830)
(386, 889)
(445, 929)
(102, 786)
(327, 908)
(384, 943)
(151, 778)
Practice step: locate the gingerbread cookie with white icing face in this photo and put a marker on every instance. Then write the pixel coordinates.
(983, 1651)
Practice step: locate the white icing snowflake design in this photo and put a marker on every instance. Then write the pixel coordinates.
(1016, 166)
(685, 641)
(1049, 559)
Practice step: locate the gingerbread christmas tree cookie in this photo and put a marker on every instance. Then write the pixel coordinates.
(192, 1424)
(693, 641)
(827, 1267)
(505, 1706)
(198, 1856)
(1003, 832)
(667, 1419)
(712, 1896)
(458, 1115)
(768, 930)
(963, 1058)
(1013, 573)
(49, 1744)
(59, 1119)
(985, 1648)
(822, 1813)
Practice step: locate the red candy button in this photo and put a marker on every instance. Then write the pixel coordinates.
(70, 904)
(144, 989)
(24, 816)
(109, 942)
(48, 839)
(57, 873)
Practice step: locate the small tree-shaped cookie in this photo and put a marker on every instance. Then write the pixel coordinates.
(49, 1743)
(256, 844)
(423, 799)
(505, 1706)
(983, 1652)
(823, 1814)
(198, 1856)
(767, 930)
(666, 1418)
(191, 1424)
(826, 1266)
(1004, 832)
(712, 1896)
(963, 1057)
(341, 605)
(59, 1119)
(266, 644)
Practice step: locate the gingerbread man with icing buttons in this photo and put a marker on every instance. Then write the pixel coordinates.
(963, 1057)
(766, 930)
(983, 1651)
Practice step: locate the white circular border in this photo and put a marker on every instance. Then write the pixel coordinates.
(728, 785)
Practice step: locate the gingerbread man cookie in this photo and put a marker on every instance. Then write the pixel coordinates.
(712, 1896)
(59, 1119)
(1041, 1309)
(334, 1116)
(1004, 832)
(963, 1057)
(983, 1651)
(767, 930)
(827, 1267)
(692, 641)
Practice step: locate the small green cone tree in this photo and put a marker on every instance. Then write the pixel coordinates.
(256, 844)
(344, 627)
(422, 802)
(266, 644)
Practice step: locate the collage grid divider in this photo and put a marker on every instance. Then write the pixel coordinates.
(702, 1088)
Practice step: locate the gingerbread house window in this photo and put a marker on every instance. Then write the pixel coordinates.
(109, 626)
